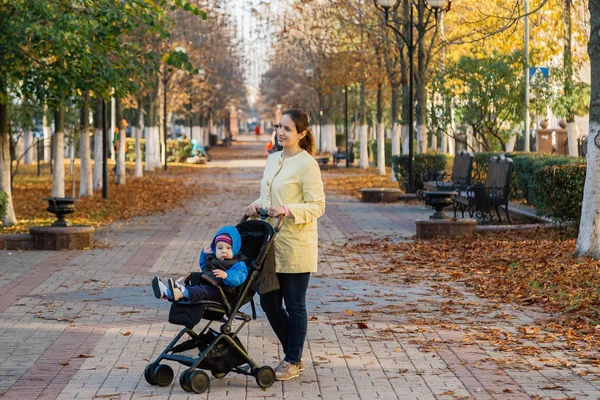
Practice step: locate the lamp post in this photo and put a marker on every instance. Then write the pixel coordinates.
(309, 75)
(386, 6)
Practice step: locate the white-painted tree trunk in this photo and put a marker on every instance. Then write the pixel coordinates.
(85, 169)
(364, 152)
(470, 139)
(149, 132)
(421, 139)
(332, 141)
(120, 177)
(512, 140)
(98, 159)
(28, 147)
(113, 119)
(160, 145)
(395, 146)
(444, 143)
(139, 170)
(10, 218)
(381, 149)
(405, 139)
(19, 147)
(572, 139)
(47, 132)
(434, 143)
(451, 145)
(330, 138)
(58, 175)
(588, 241)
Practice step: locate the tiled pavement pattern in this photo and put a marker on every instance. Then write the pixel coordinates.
(84, 324)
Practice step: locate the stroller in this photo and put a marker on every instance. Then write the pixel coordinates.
(220, 351)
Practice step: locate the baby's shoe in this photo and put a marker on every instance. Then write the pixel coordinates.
(160, 289)
(177, 289)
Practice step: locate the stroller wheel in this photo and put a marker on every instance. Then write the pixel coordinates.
(265, 376)
(184, 381)
(163, 375)
(219, 375)
(149, 374)
(197, 380)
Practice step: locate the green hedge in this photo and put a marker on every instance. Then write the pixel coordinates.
(177, 150)
(422, 165)
(3, 204)
(525, 165)
(558, 191)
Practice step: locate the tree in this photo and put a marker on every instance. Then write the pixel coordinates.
(488, 95)
(588, 241)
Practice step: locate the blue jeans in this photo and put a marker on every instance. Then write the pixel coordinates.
(289, 323)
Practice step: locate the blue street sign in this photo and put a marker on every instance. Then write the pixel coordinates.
(538, 70)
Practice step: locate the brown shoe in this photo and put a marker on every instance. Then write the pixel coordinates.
(286, 371)
(301, 366)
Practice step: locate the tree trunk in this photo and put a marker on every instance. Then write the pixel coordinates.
(362, 133)
(98, 145)
(58, 174)
(120, 175)
(5, 182)
(47, 135)
(151, 134)
(568, 84)
(420, 82)
(138, 129)
(588, 242)
(380, 132)
(85, 171)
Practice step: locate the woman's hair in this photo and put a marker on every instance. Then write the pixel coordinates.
(300, 119)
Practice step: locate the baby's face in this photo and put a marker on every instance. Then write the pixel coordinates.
(223, 251)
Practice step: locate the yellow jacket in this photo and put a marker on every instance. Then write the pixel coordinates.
(294, 182)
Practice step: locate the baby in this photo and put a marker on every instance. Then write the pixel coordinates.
(221, 261)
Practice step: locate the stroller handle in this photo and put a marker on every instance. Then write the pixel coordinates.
(263, 215)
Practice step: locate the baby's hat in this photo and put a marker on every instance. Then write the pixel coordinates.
(223, 237)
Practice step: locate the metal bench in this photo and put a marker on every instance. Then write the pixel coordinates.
(480, 200)
(340, 155)
(461, 175)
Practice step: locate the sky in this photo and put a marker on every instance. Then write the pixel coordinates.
(255, 22)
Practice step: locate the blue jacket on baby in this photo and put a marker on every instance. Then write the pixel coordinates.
(238, 272)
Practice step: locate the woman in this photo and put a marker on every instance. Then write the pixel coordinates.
(291, 186)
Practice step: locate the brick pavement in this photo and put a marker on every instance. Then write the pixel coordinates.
(83, 325)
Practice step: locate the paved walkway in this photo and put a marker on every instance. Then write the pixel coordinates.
(84, 324)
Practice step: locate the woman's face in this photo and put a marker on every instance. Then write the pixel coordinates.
(287, 135)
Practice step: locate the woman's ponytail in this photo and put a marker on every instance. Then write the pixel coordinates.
(307, 143)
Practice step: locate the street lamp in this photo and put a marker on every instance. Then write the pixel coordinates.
(386, 6)
(309, 75)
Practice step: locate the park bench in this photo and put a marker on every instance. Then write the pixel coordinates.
(480, 200)
(461, 175)
(340, 155)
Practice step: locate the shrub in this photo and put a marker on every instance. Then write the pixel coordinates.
(130, 154)
(388, 151)
(177, 150)
(3, 204)
(423, 164)
(558, 191)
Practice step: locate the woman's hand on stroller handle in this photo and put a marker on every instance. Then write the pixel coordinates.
(253, 210)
